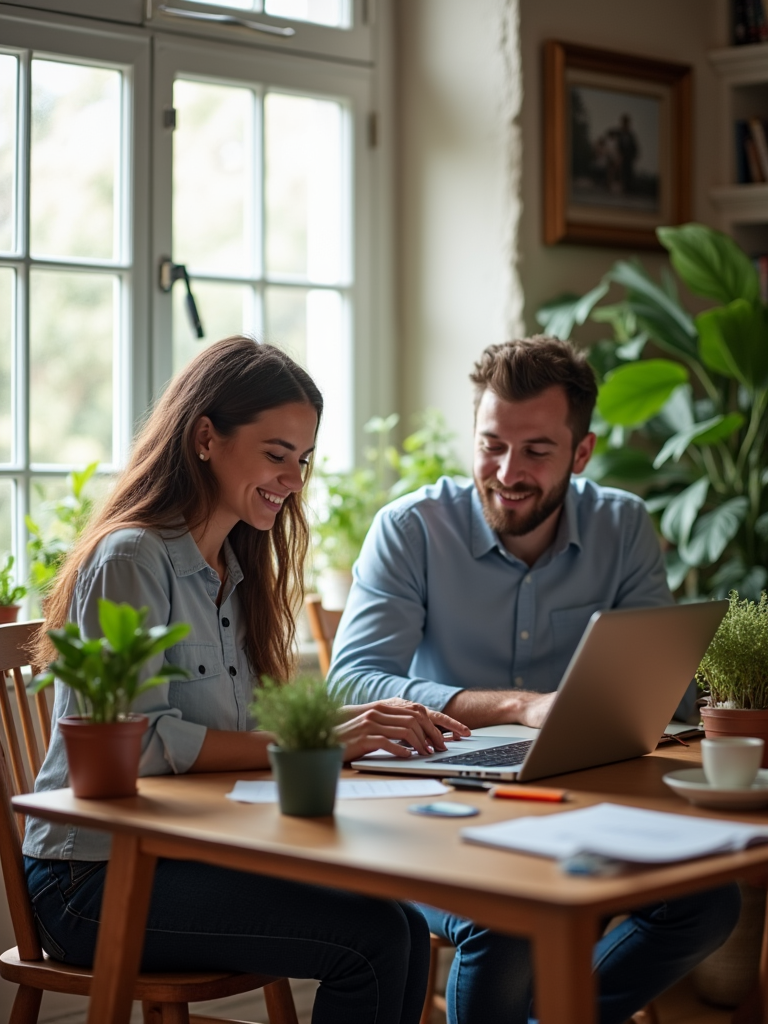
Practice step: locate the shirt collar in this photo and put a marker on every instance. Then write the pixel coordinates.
(485, 539)
(186, 557)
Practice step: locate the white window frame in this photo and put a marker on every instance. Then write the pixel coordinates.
(54, 36)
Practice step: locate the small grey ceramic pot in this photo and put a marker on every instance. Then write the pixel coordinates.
(306, 779)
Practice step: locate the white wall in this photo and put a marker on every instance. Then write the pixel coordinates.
(465, 277)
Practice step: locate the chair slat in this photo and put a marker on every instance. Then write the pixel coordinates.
(11, 738)
(324, 624)
(30, 740)
(13, 871)
(43, 716)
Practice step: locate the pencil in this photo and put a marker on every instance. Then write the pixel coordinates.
(554, 796)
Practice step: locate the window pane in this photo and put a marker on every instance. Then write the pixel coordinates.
(311, 326)
(321, 12)
(76, 126)
(8, 106)
(224, 309)
(7, 289)
(213, 193)
(305, 185)
(6, 516)
(72, 321)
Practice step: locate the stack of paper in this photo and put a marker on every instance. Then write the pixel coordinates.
(348, 789)
(621, 833)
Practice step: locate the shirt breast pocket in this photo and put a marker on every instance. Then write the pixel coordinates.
(568, 625)
(192, 694)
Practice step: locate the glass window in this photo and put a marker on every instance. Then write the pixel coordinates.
(7, 289)
(7, 502)
(334, 13)
(8, 112)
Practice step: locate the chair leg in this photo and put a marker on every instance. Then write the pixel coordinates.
(174, 1013)
(152, 1013)
(279, 1000)
(26, 1005)
(429, 998)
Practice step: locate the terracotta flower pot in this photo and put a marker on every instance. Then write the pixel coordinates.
(737, 722)
(103, 759)
(8, 613)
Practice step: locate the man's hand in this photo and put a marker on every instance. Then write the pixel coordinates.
(389, 724)
(480, 708)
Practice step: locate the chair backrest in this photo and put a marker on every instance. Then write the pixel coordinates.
(14, 778)
(323, 624)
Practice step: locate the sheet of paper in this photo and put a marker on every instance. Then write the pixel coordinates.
(621, 833)
(348, 789)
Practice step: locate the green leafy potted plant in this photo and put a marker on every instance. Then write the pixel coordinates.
(682, 412)
(10, 592)
(306, 756)
(66, 518)
(734, 673)
(103, 742)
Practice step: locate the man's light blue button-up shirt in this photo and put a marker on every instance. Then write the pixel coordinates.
(439, 605)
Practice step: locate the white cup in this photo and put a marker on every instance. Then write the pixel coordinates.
(731, 762)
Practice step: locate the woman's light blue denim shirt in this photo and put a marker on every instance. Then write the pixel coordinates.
(169, 576)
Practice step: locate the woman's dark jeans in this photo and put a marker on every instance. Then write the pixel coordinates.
(371, 956)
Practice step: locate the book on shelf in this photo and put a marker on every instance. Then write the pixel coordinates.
(751, 151)
(749, 20)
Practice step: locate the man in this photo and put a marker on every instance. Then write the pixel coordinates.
(470, 598)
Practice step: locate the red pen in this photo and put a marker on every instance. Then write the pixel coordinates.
(552, 796)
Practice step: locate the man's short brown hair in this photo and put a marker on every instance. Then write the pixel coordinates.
(523, 368)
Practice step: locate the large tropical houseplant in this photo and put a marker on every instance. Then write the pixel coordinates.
(682, 412)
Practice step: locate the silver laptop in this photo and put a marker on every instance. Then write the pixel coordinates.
(621, 688)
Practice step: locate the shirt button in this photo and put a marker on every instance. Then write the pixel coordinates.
(524, 635)
(201, 669)
(527, 579)
(518, 680)
(225, 622)
(232, 670)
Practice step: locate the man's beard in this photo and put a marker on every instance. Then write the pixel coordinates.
(517, 524)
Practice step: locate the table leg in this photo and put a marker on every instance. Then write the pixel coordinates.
(564, 986)
(121, 931)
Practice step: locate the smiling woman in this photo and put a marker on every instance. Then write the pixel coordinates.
(206, 525)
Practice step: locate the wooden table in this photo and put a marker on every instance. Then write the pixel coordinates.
(376, 847)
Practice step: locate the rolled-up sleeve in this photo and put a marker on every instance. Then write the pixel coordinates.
(383, 622)
(170, 744)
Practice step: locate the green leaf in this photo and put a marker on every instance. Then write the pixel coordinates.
(713, 532)
(680, 514)
(625, 464)
(761, 526)
(659, 314)
(711, 263)
(634, 393)
(676, 568)
(709, 432)
(736, 336)
(118, 623)
(562, 314)
(632, 350)
(677, 414)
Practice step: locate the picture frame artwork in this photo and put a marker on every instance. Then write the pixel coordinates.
(617, 146)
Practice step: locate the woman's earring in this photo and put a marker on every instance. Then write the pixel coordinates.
(202, 456)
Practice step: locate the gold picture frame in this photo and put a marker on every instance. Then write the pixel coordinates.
(617, 146)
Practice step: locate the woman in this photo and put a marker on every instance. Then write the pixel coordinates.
(206, 526)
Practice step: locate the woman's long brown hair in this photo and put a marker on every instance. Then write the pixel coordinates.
(165, 485)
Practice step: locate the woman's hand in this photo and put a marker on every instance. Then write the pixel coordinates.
(395, 725)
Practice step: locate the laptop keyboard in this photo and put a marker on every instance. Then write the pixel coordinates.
(505, 756)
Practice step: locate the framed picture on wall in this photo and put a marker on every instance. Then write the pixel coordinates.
(617, 146)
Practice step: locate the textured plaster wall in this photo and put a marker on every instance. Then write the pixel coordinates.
(472, 268)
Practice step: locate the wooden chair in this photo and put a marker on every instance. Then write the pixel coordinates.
(164, 997)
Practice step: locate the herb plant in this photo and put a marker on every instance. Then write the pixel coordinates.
(734, 671)
(685, 425)
(104, 673)
(9, 593)
(302, 714)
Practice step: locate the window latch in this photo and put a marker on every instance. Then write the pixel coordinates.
(227, 19)
(171, 272)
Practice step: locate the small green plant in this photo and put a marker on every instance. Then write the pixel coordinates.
(302, 714)
(9, 593)
(69, 515)
(104, 673)
(734, 671)
(353, 498)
